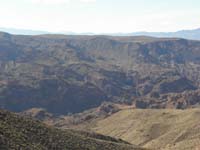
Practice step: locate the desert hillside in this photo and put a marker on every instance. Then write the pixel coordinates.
(24, 133)
(99, 75)
(165, 129)
(156, 129)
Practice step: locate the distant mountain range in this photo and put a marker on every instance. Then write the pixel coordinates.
(187, 34)
(23, 31)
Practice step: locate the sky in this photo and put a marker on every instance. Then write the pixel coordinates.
(100, 16)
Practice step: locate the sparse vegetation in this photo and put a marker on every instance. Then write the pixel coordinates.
(22, 133)
(165, 129)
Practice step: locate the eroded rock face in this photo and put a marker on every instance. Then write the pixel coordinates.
(70, 74)
(186, 99)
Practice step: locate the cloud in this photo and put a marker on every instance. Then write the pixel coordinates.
(88, 1)
(50, 1)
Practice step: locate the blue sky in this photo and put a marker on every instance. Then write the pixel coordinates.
(100, 16)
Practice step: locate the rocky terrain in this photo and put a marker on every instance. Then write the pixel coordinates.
(70, 74)
(78, 120)
(24, 133)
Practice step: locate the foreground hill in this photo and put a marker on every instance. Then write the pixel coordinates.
(70, 74)
(165, 129)
(23, 133)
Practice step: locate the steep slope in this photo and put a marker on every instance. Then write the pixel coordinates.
(70, 74)
(165, 129)
(22, 133)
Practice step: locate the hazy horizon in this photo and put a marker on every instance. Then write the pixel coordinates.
(5, 29)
